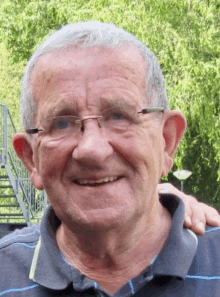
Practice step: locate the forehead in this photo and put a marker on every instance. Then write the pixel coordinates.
(83, 73)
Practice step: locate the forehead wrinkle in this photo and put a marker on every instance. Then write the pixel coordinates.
(132, 64)
(123, 74)
(112, 96)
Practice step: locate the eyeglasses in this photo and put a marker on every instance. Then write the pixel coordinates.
(116, 119)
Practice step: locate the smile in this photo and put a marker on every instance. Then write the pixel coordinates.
(95, 182)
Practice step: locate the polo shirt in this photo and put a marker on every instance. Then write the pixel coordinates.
(31, 263)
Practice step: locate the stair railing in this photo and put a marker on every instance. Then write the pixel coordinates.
(32, 201)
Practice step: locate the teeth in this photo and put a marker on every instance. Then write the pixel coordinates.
(91, 182)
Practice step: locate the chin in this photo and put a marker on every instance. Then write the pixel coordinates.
(99, 220)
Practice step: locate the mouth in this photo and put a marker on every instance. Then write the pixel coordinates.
(93, 183)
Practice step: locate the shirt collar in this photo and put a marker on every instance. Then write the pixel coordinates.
(48, 267)
(176, 257)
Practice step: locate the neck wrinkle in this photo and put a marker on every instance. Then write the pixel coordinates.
(114, 253)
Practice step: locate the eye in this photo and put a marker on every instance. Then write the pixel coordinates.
(60, 123)
(63, 124)
(116, 120)
(117, 116)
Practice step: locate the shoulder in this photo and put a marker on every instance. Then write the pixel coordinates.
(209, 240)
(207, 258)
(208, 244)
(204, 274)
(16, 254)
(17, 248)
(26, 236)
(212, 231)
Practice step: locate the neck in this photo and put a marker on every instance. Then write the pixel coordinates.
(119, 254)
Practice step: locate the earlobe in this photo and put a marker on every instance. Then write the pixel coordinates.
(174, 128)
(23, 148)
(168, 164)
(36, 180)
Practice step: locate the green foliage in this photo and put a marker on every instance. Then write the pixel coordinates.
(183, 33)
(10, 76)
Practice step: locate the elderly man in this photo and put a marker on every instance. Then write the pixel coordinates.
(98, 137)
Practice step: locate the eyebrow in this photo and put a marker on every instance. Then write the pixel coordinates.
(64, 108)
(106, 103)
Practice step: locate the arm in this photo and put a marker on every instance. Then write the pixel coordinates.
(197, 214)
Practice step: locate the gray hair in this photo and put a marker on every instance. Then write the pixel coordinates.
(88, 35)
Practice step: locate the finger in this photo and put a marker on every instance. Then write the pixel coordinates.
(211, 214)
(187, 222)
(213, 221)
(195, 217)
(166, 188)
(198, 218)
(188, 200)
(188, 212)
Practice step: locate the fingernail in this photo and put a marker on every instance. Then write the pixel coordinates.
(216, 219)
(201, 227)
(188, 220)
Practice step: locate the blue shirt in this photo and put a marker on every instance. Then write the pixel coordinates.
(31, 263)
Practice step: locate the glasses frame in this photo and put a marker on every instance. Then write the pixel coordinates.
(143, 111)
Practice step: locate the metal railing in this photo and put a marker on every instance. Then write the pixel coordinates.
(32, 201)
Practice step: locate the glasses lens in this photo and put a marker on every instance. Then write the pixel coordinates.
(117, 119)
(63, 125)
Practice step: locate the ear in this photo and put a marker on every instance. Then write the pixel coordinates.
(175, 125)
(23, 147)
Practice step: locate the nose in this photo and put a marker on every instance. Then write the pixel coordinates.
(93, 148)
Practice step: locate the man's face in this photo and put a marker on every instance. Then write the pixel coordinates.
(83, 83)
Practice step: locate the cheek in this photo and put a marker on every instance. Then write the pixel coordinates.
(150, 153)
(139, 148)
(52, 157)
